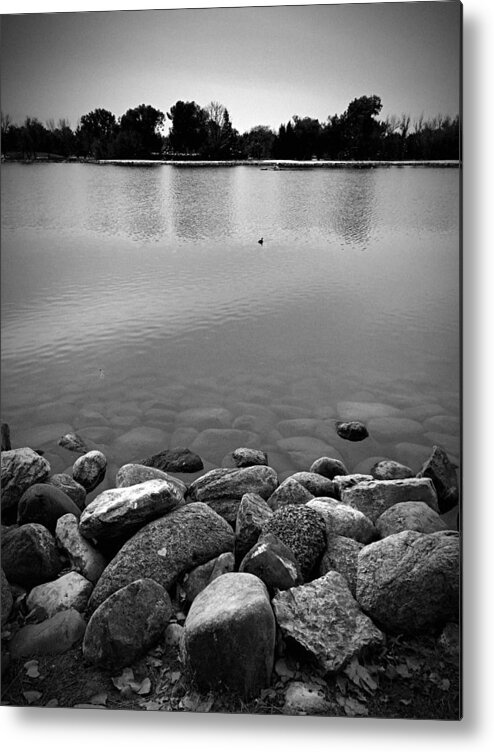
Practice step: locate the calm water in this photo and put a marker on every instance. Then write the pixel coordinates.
(131, 295)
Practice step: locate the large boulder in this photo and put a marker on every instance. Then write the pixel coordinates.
(133, 473)
(177, 460)
(315, 483)
(341, 556)
(69, 486)
(165, 549)
(325, 620)
(20, 469)
(30, 555)
(229, 483)
(442, 473)
(127, 624)
(83, 557)
(90, 469)
(274, 564)
(71, 590)
(301, 529)
(252, 513)
(342, 519)
(51, 637)
(45, 504)
(409, 515)
(229, 636)
(328, 467)
(289, 492)
(120, 512)
(343, 482)
(409, 582)
(374, 497)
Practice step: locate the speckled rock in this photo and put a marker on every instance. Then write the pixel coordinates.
(90, 469)
(442, 472)
(69, 486)
(74, 443)
(84, 558)
(52, 637)
(177, 460)
(166, 549)
(45, 504)
(342, 556)
(409, 515)
(120, 512)
(305, 698)
(301, 529)
(71, 590)
(324, 619)
(229, 636)
(352, 430)
(390, 470)
(245, 457)
(288, 492)
(274, 564)
(21, 468)
(329, 467)
(30, 555)
(228, 483)
(132, 474)
(374, 497)
(342, 519)
(130, 622)
(409, 582)
(252, 513)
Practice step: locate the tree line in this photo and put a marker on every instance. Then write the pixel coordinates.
(207, 133)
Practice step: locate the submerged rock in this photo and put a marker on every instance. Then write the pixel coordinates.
(74, 443)
(177, 460)
(352, 431)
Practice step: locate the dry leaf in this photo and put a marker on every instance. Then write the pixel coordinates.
(53, 703)
(100, 699)
(31, 696)
(32, 669)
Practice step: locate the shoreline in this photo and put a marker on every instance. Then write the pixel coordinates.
(266, 164)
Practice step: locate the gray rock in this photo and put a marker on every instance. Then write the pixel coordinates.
(166, 549)
(303, 449)
(329, 467)
(214, 443)
(342, 519)
(229, 636)
(301, 529)
(21, 468)
(74, 443)
(342, 482)
(69, 486)
(120, 512)
(409, 582)
(52, 637)
(245, 457)
(374, 497)
(84, 558)
(342, 556)
(324, 619)
(45, 504)
(409, 515)
(71, 590)
(127, 624)
(274, 564)
(305, 698)
(30, 555)
(228, 483)
(316, 484)
(288, 492)
(132, 474)
(90, 469)
(390, 470)
(252, 513)
(352, 430)
(7, 600)
(177, 460)
(442, 472)
(194, 582)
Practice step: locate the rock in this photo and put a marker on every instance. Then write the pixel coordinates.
(178, 460)
(72, 590)
(390, 470)
(38, 436)
(30, 555)
(298, 427)
(229, 636)
(173, 635)
(305, 698)
(166, 549)
(127, 624)
(205, 417)
(443, 475)
(342, 482)
(89, 416)
(214, 443)
(274, 564)
(120, 512)
(84, 558)
(132, 474)
(301, 529)
(329, 467)
(409, 515)
(5, 434)
(194, 582)
(325, 620)
(228, 483)
(374, 497)
(352, 430)
(245, 457)
(342, 556)
(45, 504)
(409, 582)
(90, 469)
(71, 487)
(7, 601)
(223, 564)
(288, 492)
(316, 484)
(52, 637)
(252, 513)
(342, 519)
(21, 468)
(74, 443)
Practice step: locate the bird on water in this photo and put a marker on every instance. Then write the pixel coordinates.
(261, 241)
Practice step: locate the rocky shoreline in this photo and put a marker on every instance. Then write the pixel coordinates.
(234, 568)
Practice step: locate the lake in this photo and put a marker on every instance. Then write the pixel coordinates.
(139, 310)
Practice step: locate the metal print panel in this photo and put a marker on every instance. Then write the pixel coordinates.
(230, 311)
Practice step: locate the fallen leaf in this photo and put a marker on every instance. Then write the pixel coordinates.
(99, 699)
(145, 687)
(53, 703)
(151, 705)
(175, 676)
(127, 684)
(31, 696)
(32, 669)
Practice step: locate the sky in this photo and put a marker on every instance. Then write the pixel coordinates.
(265, 64)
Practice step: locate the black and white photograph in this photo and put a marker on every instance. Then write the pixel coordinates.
(231, 360)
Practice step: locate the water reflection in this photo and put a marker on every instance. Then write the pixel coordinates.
(353, 206)
(200, 202)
